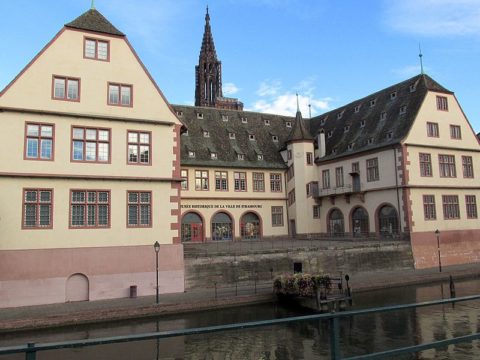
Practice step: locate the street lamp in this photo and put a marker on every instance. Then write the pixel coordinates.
(156, 246)
(437, 233)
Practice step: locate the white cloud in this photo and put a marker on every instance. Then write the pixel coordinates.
(268, 88)
(230, 89)
(434, 17)
(409, 71)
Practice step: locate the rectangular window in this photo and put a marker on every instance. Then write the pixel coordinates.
(432, 129)
(356, 167)
(316, 211)
(277, 215)
(326, 179)
(339, 177)
(425, 164)
(90, 144)
(37, 208)
(451, 210)
(258, 182)
(139, 147)
(442, 103)
(372, 170)
(275, 182)
(471, 203)
(96, 49)
(240, 181)
(309, 158)
(66, 88)
(429, 209)
(221, 181)
(39, 141)
(467, 165)
(201, 180)
(290, 173)
(89, 208)
(291, 197)
(447, 166)
(184, 176)
(139, 209)
(120, 94)
(289, 154)
(455, 132)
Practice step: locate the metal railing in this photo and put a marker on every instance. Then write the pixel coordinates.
(31, 349)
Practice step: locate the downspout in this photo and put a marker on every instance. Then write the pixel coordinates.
(396, 187)
(286, 202)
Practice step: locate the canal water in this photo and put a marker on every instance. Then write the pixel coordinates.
(306, 340)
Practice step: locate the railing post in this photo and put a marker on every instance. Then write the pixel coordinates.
(30, 354)
(334, 339)
(215, 290)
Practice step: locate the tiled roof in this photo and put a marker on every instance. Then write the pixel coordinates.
(92, 20)
(299, 131)
(377, 120)
(258, 137)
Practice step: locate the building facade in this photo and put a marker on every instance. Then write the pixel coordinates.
(93, 150)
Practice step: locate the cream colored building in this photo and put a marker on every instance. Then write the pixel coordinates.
(91, 181)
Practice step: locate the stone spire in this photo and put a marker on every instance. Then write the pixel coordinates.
(299, 131)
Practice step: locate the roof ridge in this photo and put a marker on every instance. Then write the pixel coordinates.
(93, 20)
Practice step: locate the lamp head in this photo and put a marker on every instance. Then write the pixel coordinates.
(437, 232)
(156, 246)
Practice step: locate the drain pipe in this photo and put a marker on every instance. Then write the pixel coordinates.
(396, 186)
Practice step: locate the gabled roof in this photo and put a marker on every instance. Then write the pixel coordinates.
(377, 120)
(92, 20)
(228, 149)
(299, 131)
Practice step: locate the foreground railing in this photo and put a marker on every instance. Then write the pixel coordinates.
(31, 349)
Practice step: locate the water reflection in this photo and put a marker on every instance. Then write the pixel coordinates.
(306, 340)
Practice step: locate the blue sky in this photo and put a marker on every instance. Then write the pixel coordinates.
(331, 52)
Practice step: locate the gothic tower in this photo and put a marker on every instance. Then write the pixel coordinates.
(208, 75)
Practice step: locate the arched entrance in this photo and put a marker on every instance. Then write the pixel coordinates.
(77, 288)
(360, 222)
(250, 226)
(192, 227)
(336, 224)
(222, 228)
(387, 221)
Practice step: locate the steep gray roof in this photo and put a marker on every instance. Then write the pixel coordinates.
(299, 131)
(92, 20)
(262, 126)
(377, 120)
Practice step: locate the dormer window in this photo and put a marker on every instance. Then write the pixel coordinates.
(413, 87)
(357, 108)
(240, 156)
(373, 102)
(334, 151)
(199, 115)
(383, 115)
(96, 49)
(179, 113)
(185, 133)
(288, 124)
(266, 122)
(259, 157)
(206, 133)
(362, 123)
(389, 135)
(213, 156)
(191, 154)
(251, 136)
(393, 95)
(274, 138)
(370, 141)
(403, 109)
(330, 134)
(350, 146)
(322, 121)
(339, 115)
(231, 135)
(346, 128)
(244, 120)
(225, 117)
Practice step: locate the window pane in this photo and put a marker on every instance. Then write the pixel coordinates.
(32, 130)
(30, 215)
(103, 152)
(78, 214)
(113, 94)
(59, 88)
(72, 90)
(45, 196)
(78, 196)
(77, 133)
(126, 95)
(144, 214)
(91, 215)
(32, 148)
(103, 197)
(144, 154)
(47, 131)
(145, 197)
(77, 150)
(102, 50)
(132, 197)
(90, 153)
(46, 149)
(90, 48)
(132, 153)
(30, 196)
(145, 138)
(45, 211)
(132, 137)
(91, 197)
(132, 214)
(103, 215)
(91, 134)
(103, 135)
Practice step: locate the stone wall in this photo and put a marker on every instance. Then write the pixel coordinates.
(204, 270)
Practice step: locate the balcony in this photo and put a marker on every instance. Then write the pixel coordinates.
(346, 190)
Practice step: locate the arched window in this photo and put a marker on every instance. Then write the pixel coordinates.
(192, 227)
(388, 221)
(336, 223)
(222, 227)
(360, 222)
(250, 228)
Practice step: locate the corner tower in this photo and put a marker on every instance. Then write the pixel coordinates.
(208, 75)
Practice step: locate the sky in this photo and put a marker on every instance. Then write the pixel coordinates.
(330, 52)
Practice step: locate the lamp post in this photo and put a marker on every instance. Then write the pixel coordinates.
(437, 233)
(156, 246)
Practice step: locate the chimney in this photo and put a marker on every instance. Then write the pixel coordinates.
(320, 151)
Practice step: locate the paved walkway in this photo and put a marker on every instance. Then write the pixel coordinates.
(35, 317)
